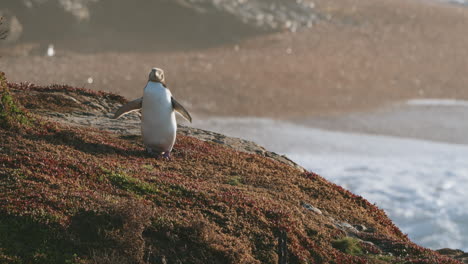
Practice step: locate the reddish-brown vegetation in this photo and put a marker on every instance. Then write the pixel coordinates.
(80, 195)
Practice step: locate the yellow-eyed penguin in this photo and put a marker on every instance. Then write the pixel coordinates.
(158, 123)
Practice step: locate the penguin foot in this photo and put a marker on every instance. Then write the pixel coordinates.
(167, 155)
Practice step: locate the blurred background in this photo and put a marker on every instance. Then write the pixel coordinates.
(371, 94)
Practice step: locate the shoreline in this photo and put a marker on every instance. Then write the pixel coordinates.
(427, 120)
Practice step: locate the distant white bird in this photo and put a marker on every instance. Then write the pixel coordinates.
(50, 50)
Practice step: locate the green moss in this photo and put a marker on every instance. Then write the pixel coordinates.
(11, 115)
(148, 167)
(130, 184)
(348, 245)
(181, 191)
(234, 181)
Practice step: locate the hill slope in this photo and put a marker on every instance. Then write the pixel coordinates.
(77, 194)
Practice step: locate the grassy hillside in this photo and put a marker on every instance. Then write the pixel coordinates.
(72, 194)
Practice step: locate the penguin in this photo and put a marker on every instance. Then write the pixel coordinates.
(158, 121)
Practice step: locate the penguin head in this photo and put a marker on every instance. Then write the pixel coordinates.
(156, 75)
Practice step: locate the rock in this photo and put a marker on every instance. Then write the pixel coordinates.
(455, 254)
(235, 143)
(360, 227)
(81, 16)
(10, 25)
(311, 208)
(347, 227)
(265, 14)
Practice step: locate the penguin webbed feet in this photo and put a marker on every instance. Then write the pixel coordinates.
(166, 155)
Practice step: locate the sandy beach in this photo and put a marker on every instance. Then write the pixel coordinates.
(364, 55)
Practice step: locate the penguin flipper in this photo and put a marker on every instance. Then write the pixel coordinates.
(129, 107)
(181, 110)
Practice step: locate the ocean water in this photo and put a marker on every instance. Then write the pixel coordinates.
(458, 2)
(461, 2)
(438, 102)
(421, 184)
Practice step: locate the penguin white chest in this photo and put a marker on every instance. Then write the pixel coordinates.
(158, 126)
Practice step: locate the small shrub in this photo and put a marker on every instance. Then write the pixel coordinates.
(131, 184)
(234, 181)
(348, 245)
(148, 167)
(11, 115)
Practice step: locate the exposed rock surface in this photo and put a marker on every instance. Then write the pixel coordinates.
(266, 14)
(68, 15)
(91, 111)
